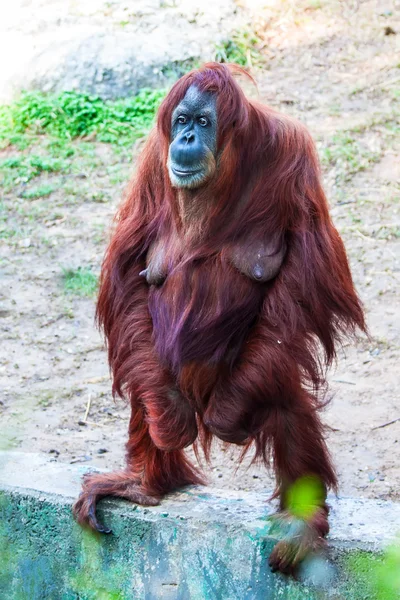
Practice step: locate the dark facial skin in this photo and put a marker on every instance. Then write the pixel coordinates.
(192, 152)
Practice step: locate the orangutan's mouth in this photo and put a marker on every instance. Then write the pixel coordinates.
(180, 173)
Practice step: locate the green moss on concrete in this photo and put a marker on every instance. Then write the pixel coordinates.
(45, 555)
(93, 580)
(193, 547)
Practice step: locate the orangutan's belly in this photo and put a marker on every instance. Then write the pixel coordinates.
(202, 312)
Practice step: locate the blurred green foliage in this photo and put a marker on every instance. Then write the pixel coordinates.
(388, 574)
(379, 576)
(305, 496)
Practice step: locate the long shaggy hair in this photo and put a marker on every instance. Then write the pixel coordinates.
(211, 351)
(267, 186)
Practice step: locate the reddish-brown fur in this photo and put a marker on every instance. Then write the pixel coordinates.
(211, 351)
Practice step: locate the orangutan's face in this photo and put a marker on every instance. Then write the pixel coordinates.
(192, 152)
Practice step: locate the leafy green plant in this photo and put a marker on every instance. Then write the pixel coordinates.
(62, 128)
(243, 48)
(69, 115)
(81, 281)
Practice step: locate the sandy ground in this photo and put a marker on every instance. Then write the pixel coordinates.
(335, 69)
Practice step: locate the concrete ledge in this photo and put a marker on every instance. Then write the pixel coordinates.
(199, 544)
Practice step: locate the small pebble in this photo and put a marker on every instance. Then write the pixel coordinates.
(389, 30)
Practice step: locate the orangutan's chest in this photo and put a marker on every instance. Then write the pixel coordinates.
(258, 260)
(201, 310)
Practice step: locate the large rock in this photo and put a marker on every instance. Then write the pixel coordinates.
(110, 49)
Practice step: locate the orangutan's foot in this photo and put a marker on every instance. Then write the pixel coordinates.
(97, 486)
(300, 538)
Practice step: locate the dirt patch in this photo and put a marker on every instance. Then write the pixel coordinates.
(336, 70)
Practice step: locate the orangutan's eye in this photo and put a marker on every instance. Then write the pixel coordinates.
(182, 119)
(203, 121)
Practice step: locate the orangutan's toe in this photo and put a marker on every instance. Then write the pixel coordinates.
(94, 523)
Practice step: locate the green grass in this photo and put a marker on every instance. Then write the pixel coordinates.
(21, 169)
(26, 168)
(56, 133)
(70, 115)
(348, 155)
(243, 48)
(7, 232)
(40, 191)
(99, 196)
(81, 281)
(3, 212)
